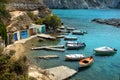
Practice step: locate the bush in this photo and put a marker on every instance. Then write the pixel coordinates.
(39, 21)
(30, 15)
(32, 78)
(3, 32)
(52, 21)
(13, 70)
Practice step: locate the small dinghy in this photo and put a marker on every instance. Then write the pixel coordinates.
(85, 62)
(74, 56)
(104, 50)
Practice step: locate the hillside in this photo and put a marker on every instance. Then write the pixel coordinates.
(78, 4)
(19, 14)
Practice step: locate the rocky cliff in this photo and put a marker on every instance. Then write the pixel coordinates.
(20, 10)
(75, 4)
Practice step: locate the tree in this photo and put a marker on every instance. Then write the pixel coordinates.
(3, 32)
(39, 21)
(52, 21)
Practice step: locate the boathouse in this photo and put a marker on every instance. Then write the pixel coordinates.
(16, 35)
(32, 30)
(39, 28)
(10, 38)
(24, 34)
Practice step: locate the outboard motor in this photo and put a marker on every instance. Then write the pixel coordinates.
(115, 49)
(84, 44)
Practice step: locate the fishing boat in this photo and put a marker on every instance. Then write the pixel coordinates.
(85, 62)
(62, 27)
(105, 50)
(75, 45)
(78, 32)
(74, 56)
(70, 38)
(61, 36)
(70, 28)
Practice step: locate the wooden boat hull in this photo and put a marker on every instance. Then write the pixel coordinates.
(86, 62)
(85, 65)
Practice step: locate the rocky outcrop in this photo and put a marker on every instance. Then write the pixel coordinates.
(19, 21)
(19, 10)
(25, 5)
(72, 4)
(28, 5)
(113, 21)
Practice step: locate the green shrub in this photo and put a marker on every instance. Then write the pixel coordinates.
(32, 78)
(39, 21)
(52, 21)
(3, 32)
(10, 70)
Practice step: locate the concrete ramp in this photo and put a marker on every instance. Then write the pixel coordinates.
(62, 72)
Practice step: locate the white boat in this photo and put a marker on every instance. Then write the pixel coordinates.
(78, 32)
(105, 50)
(74, 56)
(71, 42)
(70, 38)
(85, 62)
(70, 28)
(62, 27)
(75, 45)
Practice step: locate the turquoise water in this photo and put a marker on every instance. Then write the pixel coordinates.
(104, 67)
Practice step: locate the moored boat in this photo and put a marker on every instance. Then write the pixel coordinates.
(85, 62)
(78, 32)
(74, 56)
(70, 28)
(61, 36)
(105, 50)
(75, 45)
(62, 27)
(70, 38)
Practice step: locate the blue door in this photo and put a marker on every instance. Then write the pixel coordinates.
(24, 34)
(15, 37)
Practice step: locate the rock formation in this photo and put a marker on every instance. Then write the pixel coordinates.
(19, 10)
(77, 4)
(113, 21)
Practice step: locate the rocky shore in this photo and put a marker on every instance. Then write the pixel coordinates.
(22, 48)
(113, 21)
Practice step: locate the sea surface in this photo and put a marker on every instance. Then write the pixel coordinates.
(104, 67)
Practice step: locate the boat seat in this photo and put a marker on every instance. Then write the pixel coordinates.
(85, 61)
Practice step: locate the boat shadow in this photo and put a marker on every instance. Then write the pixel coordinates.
(83, 68)
(82, 48)
(98, 54)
